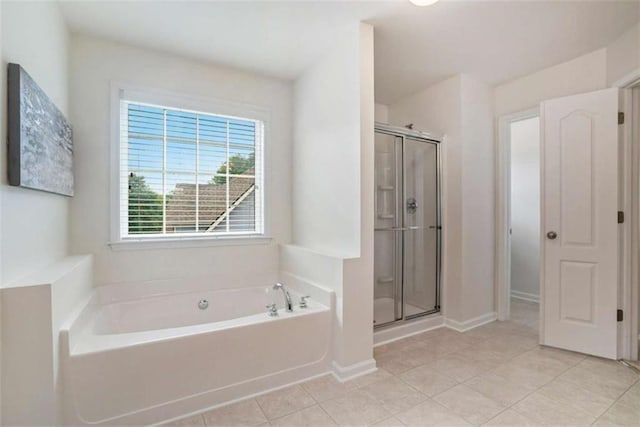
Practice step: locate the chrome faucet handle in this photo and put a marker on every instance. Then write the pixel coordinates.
(273, 310)
(303, 301)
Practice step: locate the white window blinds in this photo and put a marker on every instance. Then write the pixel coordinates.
(186, 173)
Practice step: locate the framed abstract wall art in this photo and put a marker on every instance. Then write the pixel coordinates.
(40, 138)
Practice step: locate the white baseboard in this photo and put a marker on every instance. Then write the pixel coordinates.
(345, 373)
(417, 326)
(525, 296)
(471, 323)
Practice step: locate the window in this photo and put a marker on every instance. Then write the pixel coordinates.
(186, 173)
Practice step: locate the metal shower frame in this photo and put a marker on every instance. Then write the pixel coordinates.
(429, 138)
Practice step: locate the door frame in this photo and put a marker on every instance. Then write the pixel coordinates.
(503, 209)
(633, 303)
(628, 333)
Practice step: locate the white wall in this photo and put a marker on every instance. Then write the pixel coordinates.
(358, 287)
(333, 187)
(623, 54)
(34, 224)
(478, 198)
(94, 64)
(326, 161)
(525, 194)
(583, 74)
(381, 113)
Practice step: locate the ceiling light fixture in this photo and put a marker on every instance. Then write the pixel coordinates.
(423, 2)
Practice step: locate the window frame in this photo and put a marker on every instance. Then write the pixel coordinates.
(171, 100)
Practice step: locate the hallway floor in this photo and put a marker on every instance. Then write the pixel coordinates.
(496, 374)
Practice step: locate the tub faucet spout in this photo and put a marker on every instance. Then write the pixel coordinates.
(287, 297)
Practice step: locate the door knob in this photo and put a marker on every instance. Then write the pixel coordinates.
(552, 235)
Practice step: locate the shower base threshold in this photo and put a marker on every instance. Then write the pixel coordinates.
(383, 310)
(403, 329)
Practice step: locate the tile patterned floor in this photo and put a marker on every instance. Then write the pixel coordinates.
(494, 375)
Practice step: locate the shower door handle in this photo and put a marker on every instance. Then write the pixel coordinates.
(412, 205)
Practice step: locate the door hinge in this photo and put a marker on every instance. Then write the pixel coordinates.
(620, 315)
(620, 118)
(620, 217)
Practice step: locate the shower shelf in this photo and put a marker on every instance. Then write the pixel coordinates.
(385, 279)
(386, 188)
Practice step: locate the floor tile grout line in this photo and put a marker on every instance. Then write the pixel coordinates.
(309, 393)
(535, 390)
(394, 417)
(511, 407)
(500, 413)
(439, 373)
(327, 413)
(295, 412)
(520, 413)
(637, 381)
(264, 414)
(316, 403)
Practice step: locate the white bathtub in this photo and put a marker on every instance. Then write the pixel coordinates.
(151, 359)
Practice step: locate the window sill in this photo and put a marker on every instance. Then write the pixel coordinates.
(196, 242)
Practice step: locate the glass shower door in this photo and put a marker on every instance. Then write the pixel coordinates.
(387, 286)
(420, 210)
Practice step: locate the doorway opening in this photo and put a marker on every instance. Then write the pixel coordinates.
(524, 219)
(519, 217)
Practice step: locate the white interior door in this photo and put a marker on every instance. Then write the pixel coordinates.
(579, 222)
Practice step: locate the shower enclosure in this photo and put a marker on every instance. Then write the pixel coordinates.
(407, 225)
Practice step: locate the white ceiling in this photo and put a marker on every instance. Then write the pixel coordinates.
(415, 47)
(492, 41)
(276, 38)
